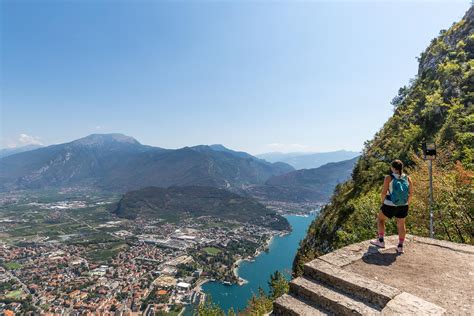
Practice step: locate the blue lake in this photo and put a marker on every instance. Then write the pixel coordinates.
(280, 257)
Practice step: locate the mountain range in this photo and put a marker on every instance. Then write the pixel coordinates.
(308, 160)
(305, 185)
(115, 162)
(119, 163)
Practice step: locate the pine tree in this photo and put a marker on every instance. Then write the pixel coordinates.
(209, 308)
(278, 285)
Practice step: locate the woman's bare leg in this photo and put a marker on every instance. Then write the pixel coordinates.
(379, 242)
(381, 224)
(402, 231)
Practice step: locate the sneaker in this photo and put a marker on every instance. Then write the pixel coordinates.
(378, 243)
(400, 249)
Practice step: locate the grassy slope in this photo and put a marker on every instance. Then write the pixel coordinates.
(437, 105)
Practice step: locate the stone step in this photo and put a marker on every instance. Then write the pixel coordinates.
(365, 289)
(330, 299)
(288, 305)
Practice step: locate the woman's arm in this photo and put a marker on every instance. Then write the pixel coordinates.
(410, 189)
(386, 184)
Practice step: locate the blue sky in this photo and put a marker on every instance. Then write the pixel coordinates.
(254, 76)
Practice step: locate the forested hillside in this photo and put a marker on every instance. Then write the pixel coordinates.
(436, 106)
(305, 185)
(177, 203)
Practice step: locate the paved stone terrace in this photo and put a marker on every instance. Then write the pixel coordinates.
(431, 278)
(437, 271)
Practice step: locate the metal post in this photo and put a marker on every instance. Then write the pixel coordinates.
(431, 200)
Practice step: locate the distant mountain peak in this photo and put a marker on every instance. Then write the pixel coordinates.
(309, 160)
(100, 139)
(214, 147)
(222, 149)
(4, 152)
(218, 147)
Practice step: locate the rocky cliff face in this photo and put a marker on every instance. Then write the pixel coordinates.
(449, 39)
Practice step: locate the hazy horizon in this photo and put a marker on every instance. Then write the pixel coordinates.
(253, 76)
(191, 145)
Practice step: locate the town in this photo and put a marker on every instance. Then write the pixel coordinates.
(119, 266)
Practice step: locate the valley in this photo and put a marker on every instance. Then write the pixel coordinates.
(104, 223)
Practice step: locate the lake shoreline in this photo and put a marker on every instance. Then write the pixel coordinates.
(236, 265)
(263, 248)
(257, 271)
(241, 281)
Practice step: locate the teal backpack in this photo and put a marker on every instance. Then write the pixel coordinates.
(399, 194)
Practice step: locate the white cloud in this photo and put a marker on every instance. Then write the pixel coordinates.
(23, 140)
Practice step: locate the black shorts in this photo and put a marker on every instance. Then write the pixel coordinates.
(397, 211)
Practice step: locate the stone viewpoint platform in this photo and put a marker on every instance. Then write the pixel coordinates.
(432, 277)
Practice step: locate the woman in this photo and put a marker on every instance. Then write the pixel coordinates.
(396, 196)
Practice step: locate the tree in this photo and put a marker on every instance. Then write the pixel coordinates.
(209, 308)
(259, 304)
(398, 99)
(278, 285)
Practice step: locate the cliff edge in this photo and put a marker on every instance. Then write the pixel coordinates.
(432, 277)
(436, 106)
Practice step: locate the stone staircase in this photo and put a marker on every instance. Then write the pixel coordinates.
(327, 289)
